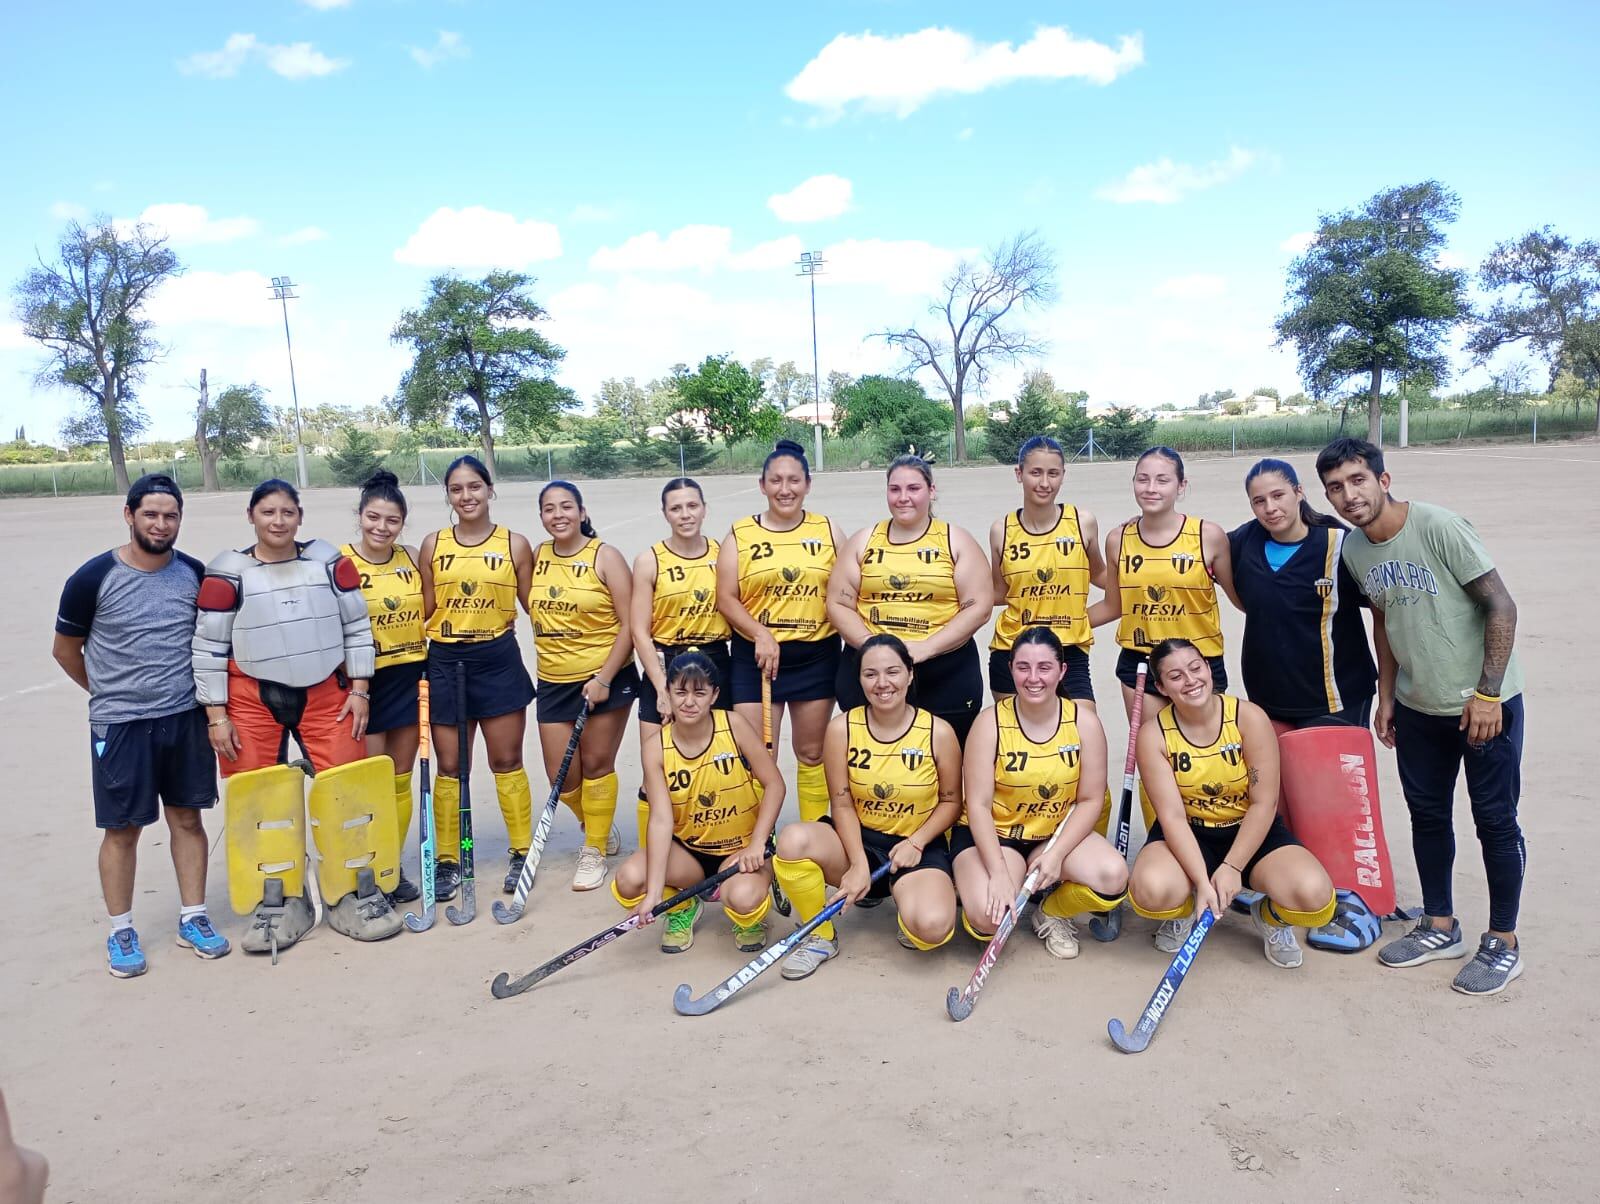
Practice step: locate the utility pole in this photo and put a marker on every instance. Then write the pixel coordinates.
(810, 266)
(283, 291)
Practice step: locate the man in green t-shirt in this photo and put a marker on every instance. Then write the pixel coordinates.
(1449, 693)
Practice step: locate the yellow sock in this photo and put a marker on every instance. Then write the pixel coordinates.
(516, 808)
(642, 813)
(599, 808)
(922, 945)
(402, 805)
(803, 882)
(1287, 917)
(749, 919)
(983, 937)
(1103, 824)
(627, 904)
(1173, 913)
(447, 819)
(811, 784)
(1073, 898)
(573, 798)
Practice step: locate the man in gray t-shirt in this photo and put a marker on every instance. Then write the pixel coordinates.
(123, 633)
(1449, 695)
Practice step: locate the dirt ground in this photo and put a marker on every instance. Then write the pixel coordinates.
(388, 1073)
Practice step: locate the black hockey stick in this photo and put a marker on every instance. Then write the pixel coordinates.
(1107, 926)
(468, 911)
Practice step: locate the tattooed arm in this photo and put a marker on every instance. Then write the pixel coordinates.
(1479, 719)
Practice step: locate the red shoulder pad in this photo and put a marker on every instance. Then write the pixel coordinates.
(345, 574)
(218, 593)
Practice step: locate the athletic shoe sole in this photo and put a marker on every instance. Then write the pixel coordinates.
(1453, 952)
(116, 973)
(209, 955)
(1516, 973)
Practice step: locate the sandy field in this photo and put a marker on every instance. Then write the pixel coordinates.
(388, 1073)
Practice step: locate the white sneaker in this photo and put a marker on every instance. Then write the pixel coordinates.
(1277, 943)
(1173, 933)
(591, 870)
(803, 962)
(613, 842)
(1060, 935)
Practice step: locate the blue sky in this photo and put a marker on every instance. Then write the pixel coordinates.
(657, 168)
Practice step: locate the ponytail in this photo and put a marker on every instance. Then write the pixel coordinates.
(1309, 515)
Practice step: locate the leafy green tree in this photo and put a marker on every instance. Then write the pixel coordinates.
(1123, 432)
(627, 404)
(1367, 295)
(238, 415)
(1040, 408)
(355, 458)
(977, 321)
(1214, 399)
(596, 455)
(1546, 283)
(685, 446)
(1266, 391)
(644, 451)
(475, 340)
(86, 308)
(873, 401)
(729, 398)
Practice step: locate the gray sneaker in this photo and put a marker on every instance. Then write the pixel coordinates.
(1172, 934)
(1278, 942)
(1491, 969)
(1422, 944)
(803, 962)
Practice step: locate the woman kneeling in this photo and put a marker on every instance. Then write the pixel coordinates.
(1036, 762)
(1210, 768)
(714, 794)
(894, 785)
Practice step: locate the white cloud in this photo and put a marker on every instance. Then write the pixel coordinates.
(1298, 242)
(185, 225)
(1199, 286)
(303, 235)
(69, 211)
(1450, 259)
(1165, 182)
(294, 60)
(901, 266)
(446, 46)
(900, 73)
(215, 298)
(813, 200)
(325, 5)
(476, 237)
(768, 256)
(699, 247)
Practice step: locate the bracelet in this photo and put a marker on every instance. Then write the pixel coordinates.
(361, 694)
(1482, 697)
(603, 684)
(1233, 867)
(220, 722)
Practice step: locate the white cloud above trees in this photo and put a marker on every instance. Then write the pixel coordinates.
(477, 237)
(814, 200)
(291, 60)
(186, 225)
(1165, 182)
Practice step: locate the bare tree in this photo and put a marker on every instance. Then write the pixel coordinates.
(978, 321)
(86, 310)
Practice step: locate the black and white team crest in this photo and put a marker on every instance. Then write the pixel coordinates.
(812, 545)
(1183, 561)
(927, 555)
(493, 561)
(1324, 587)
(1231, 753)
(724, 761)
(1069, 752)
(912, 757)
(1065, 543)
(404, 575)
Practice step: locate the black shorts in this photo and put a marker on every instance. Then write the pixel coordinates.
(716, 652)
(1215, 842)
(949, 685)
(1075, 682)
(394, 697)
(961, 840)
(560, 701)
(806, 670)
(1357, 714)
(137, 763)
(1128, 671)
(710, 863)
(877, 845)
(497, 681)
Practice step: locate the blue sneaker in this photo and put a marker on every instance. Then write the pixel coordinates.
(124, 955)
(197, 933)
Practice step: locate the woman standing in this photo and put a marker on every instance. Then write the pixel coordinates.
(772, 587)
(1035, 762)
(715, 794)
(916, 577)
(1046, 555)
(392, 585)
(675, 611)
(1162, 572)
(1305, 661)
(581, 589)
(473, 573)
(894, 778)
(1210, 766)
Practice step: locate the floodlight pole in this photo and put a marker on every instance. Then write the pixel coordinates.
(283, 291)
(810, 265)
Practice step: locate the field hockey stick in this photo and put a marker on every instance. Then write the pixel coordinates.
(530, 865)
(468, 910)
(504, 987)
(426, 852)
(763, 961)
(958, 1002)
(1139, 1038)
(779, 899)
(1107, 926)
